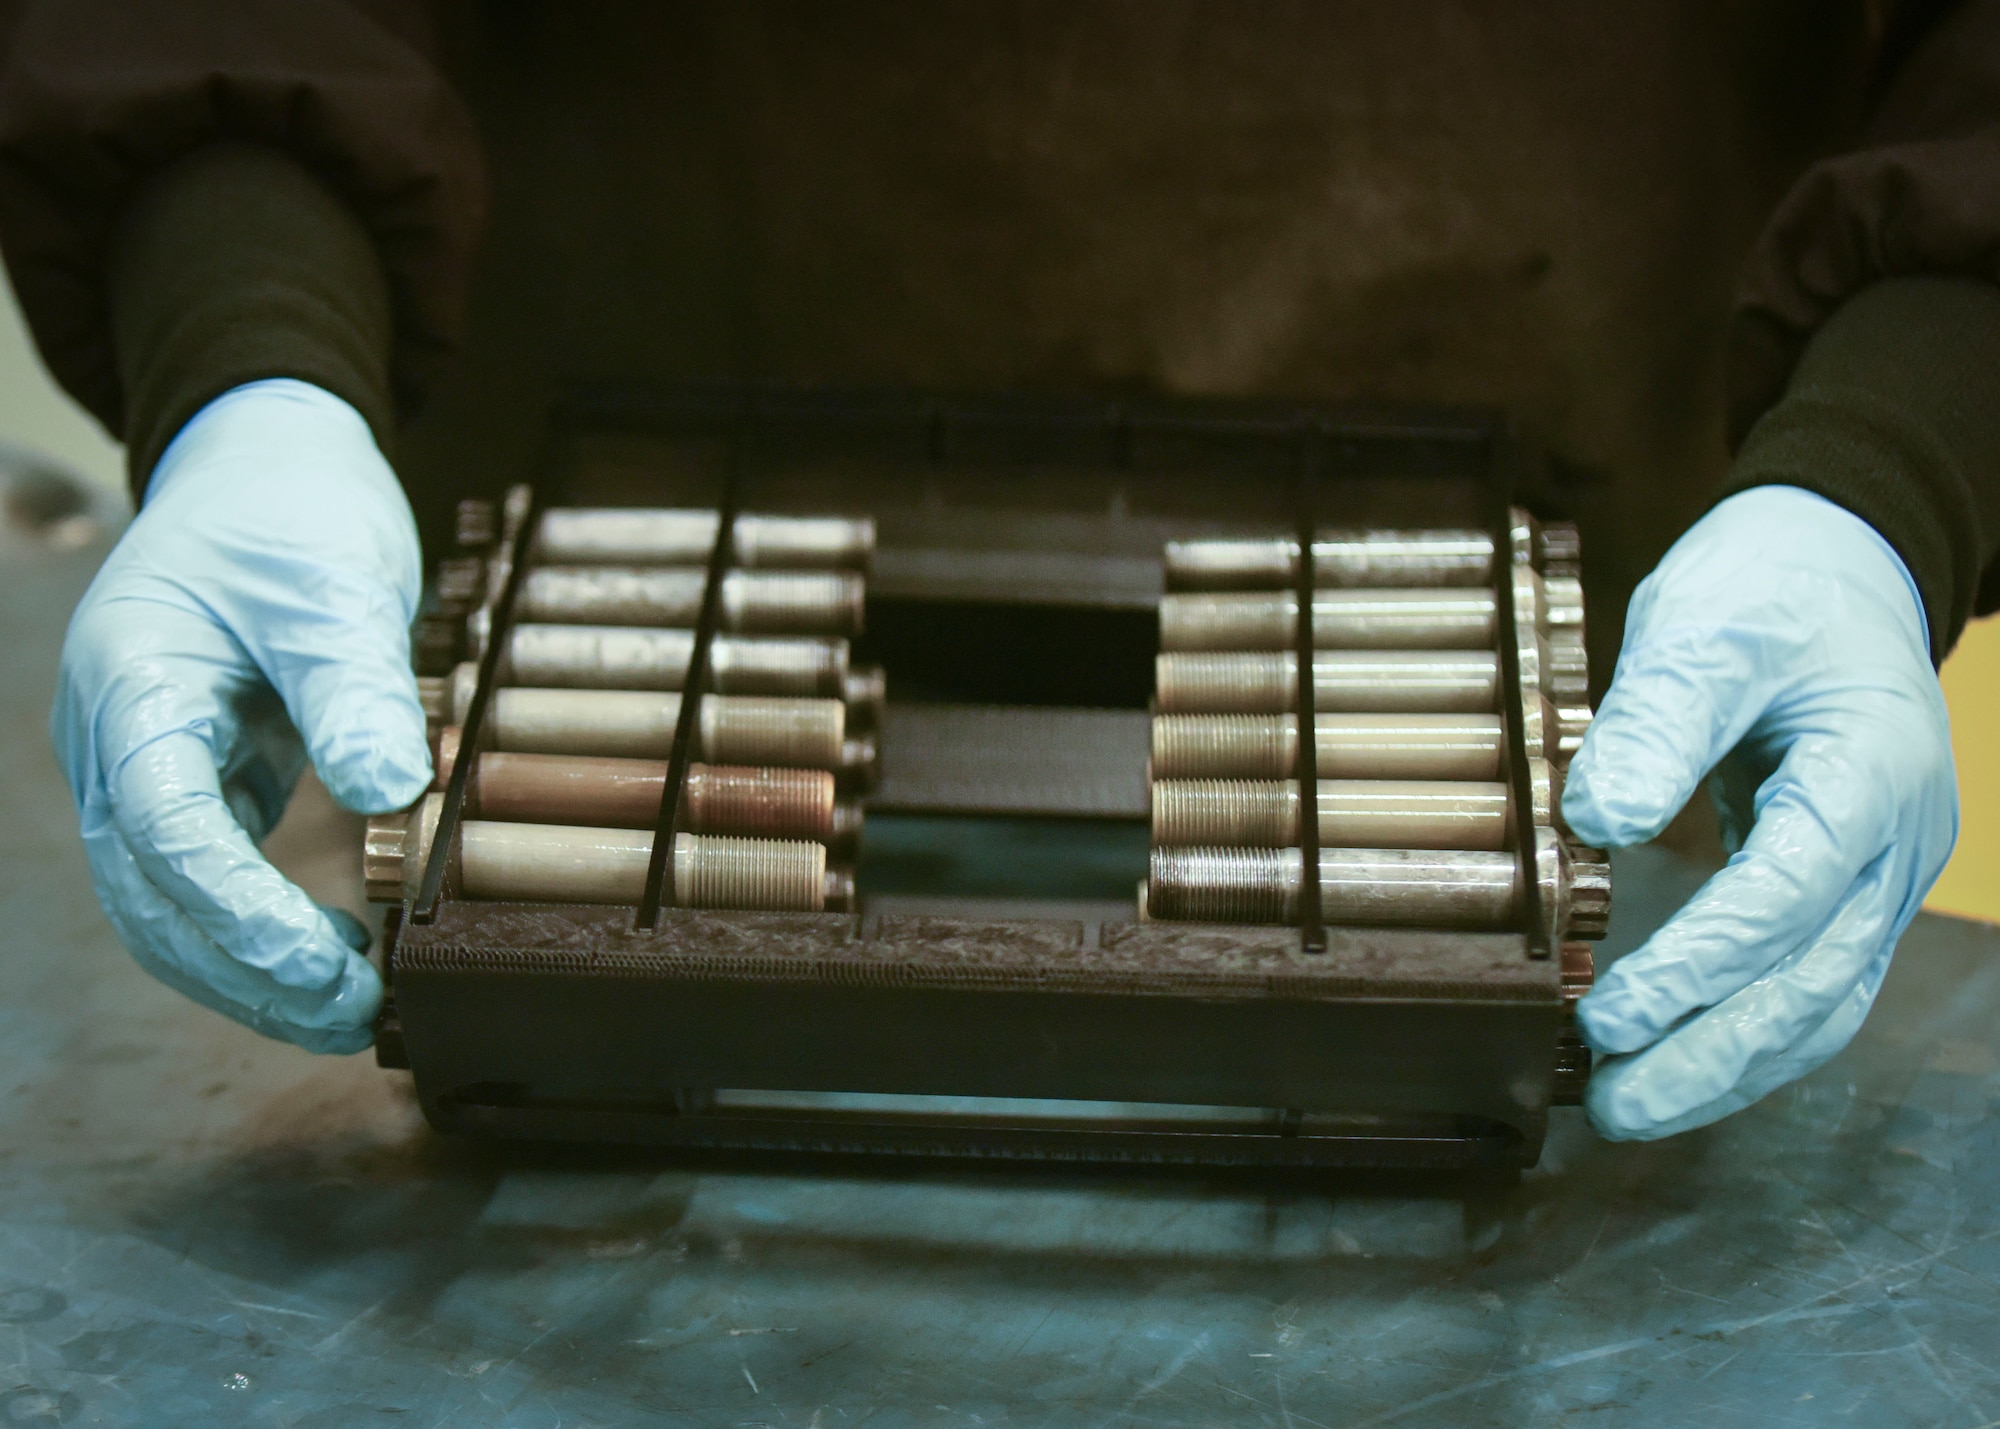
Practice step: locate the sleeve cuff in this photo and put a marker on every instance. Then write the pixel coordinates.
(1894, 413)
(232, 265)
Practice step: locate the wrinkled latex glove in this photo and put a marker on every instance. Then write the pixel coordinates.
(1782, 644)
(255, 612)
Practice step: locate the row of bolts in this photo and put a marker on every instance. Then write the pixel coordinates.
(562, 796)
(602, 640)
(1415, 819)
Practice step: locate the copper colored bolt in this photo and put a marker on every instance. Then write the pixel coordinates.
(625, 793)
(760, 802)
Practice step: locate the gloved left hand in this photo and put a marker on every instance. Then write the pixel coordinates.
(256, 610)
(1781, 644)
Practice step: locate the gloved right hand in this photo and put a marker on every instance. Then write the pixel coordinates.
(257, 610)
(1781, 644)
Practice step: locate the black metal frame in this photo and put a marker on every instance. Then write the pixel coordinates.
(1315, 444)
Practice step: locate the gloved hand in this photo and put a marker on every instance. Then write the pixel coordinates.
(1782, 644)
(256, 610)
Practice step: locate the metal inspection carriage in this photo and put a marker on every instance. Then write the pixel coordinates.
(800, 753)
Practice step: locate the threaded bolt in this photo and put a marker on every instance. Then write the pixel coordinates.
(774, 875)
(1228, 621)
(1226, 812)
(1249, 683)
(807, 734)
(1217, 885)
(761, 802)
(1239, 746)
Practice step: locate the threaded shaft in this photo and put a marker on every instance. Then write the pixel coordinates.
(1391, 887)
(806, 734)
(1224, 885)
(762, 874)
(1229, 621)
(792, 602)
(653, 536)
(1402, 558)
(1340, 558)
(1225, 746)
(1232, 813)
(1231, 565)
(1420, 619)
(1257, 682)
(799, 666)
(768, 803)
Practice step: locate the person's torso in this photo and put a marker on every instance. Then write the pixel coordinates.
(1534, 207)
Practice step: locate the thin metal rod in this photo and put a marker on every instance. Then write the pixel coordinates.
(424, 909)
(660, 868)
(1500, 485)
(1312, 932)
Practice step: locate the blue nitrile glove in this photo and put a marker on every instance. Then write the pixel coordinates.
(1782, 644)
(256, 611)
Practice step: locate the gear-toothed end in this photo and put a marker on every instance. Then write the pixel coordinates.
(860, 763)
(840, 890)
(1557, 544)
(383, 848)
(1589, 892)
(478, 523)
(1572, 724)
(1579, 970)
(1572, 1072)
(865, 689)
(434, 694)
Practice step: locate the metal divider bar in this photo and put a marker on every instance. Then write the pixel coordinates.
(659, 890)
(527, 500)
(1514, 720)
(1312, 931)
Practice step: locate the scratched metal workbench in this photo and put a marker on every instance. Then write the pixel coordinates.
(199, 1227)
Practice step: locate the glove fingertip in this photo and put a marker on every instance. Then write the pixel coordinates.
(1613, 1112)
(374, 767)
(351, 929)
(1609, 1027)
(1625, 804)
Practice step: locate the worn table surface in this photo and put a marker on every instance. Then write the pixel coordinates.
(199, 1227)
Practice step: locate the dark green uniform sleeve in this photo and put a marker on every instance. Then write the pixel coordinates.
(99, 99)
(1866, 336)
(235, 264)
(1893, 411)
